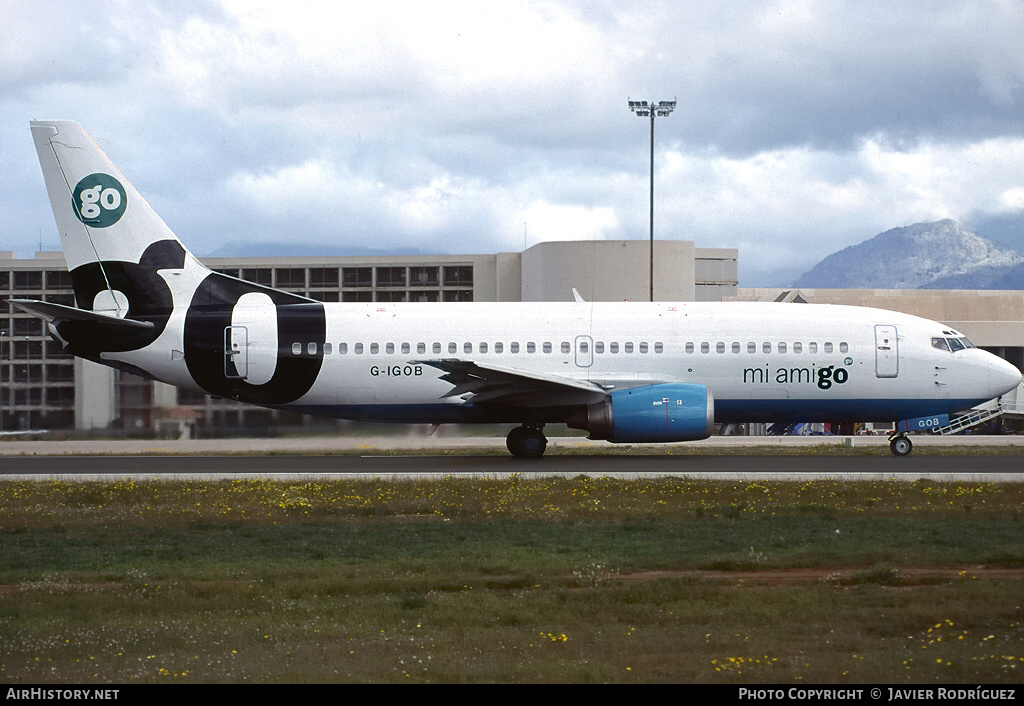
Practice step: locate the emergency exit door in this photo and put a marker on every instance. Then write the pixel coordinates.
(584, 351)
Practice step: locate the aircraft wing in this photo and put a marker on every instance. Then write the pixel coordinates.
(478, 383)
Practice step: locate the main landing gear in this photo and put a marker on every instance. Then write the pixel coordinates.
(527, 441)
(900, 445)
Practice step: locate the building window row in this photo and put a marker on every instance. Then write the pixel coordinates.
(29, 350)
(448, 295)
(33, 397)
(421, 276)
(35, 279)
(356, 277)
(33, 372)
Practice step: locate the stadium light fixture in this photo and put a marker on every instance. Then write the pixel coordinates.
(643, 109)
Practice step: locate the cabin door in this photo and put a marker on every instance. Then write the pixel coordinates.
(236, 352)
(887, 363)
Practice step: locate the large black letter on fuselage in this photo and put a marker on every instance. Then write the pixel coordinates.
(298, 320)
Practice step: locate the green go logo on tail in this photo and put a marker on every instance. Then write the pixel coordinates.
(99, 200)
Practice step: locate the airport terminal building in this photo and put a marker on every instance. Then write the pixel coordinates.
(41, 387)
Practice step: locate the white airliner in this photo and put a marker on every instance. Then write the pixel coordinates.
(626, 372)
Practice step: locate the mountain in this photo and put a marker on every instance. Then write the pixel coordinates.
(940, 255)
(1006, 230)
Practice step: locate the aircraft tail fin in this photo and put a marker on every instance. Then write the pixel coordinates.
(112, 239)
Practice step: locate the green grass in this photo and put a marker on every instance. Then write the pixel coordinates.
(517, 580)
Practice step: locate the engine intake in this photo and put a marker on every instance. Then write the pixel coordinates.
(666, 412)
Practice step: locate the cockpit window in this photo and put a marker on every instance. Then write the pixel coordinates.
(952, 344)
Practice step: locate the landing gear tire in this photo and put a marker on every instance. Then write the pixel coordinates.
(526, 442)
(901, 446)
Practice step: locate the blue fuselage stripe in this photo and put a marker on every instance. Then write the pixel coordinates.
(744, 410)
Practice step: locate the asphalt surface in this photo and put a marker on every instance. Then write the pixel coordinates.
(980, 467)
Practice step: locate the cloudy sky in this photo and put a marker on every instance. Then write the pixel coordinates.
(802, 126)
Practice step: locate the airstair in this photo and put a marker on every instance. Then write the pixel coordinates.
(973, 417)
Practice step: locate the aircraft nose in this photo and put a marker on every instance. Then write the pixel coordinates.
(1004, 375)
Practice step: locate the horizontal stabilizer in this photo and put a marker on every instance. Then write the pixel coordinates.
(58, 312)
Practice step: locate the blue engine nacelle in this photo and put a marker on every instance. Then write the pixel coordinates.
(667, 412)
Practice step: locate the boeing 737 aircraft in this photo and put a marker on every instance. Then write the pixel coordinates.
(625, 372)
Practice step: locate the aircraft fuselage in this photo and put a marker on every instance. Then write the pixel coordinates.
(763, 362)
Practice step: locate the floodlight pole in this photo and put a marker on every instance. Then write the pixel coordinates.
(660, 109)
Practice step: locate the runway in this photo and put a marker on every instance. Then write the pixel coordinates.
(961, 468)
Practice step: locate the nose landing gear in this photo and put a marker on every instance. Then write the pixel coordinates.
(900, 445)
(527, 441)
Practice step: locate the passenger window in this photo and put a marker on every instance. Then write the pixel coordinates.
(547, 346)
(828, 347)
(751, 347)
(705, 348)
(782, 348)
(844, 347)
(296, 349)
(659, 347)
(327, 349)
(798, 347)
(467, 347)
(342, 349)
(499, 347)
(436, 347)
(389, 348)
(421, 347)
(689, 346)
(613, 347)
(584, 347)
(566, 348)
(453, 347)
(599, 347)
(374, 348)
(483, 347)
(513, 347)
(311, 348)
(812, 347)
(627, 347)
(720, 347)
(358, 349)
(736, 347)
(405, 348)
(643, 347)
(531, 347)
(766, 347)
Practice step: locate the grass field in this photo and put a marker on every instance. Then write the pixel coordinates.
(515, 580)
